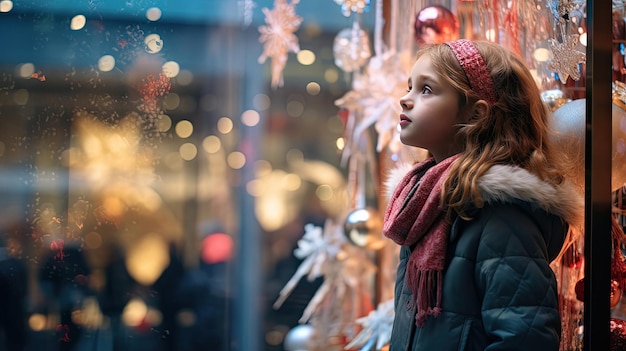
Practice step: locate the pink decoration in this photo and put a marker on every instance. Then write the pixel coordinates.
(278, 38)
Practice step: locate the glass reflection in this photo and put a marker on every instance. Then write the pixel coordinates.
(133, 136)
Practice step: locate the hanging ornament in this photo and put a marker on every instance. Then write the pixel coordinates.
(350, 6)
(363, 228)
(435, 24)
(278, 38)
(351, 48)
(299, 338)
(566, 58)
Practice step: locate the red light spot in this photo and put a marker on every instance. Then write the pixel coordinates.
(216, 248)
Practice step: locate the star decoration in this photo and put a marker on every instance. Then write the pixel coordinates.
(566, 58)
(350, 6)
(278, 38)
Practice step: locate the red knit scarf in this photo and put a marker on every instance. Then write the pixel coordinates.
(415, 218)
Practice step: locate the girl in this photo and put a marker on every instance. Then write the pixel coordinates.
(480, 220)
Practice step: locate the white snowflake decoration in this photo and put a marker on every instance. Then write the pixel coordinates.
(376, 94)
(278, 37)
(317, 248)
(376, 328)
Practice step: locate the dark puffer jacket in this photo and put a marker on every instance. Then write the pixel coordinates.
(499, 291)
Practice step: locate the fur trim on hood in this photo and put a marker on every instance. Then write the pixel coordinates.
(504, 183)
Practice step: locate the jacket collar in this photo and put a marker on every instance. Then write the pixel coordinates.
(503, 183)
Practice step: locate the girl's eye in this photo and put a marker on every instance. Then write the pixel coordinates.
(409, 89)
(426, 90)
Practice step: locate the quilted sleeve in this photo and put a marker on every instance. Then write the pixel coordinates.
(517, 286)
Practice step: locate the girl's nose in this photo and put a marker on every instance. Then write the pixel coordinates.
(405, 103)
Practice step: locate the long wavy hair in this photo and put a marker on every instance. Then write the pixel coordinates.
(513, 131)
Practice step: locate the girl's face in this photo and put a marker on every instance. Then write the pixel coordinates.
(430, 112)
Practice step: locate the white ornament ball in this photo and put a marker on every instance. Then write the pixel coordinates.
(569, 121)
(298, 338)
(351, 49)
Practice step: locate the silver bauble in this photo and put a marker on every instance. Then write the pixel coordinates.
(299, 338)
(363, 228)
(351, 49)
(569, 121)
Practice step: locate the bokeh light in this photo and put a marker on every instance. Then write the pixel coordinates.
(78, 22)
(164, 123)
(188, 151)
(324, 192)
(106, 63)
(153, 14)
(93, 240)
(184, 129)
(250, 118)
(134, 312)
(255, 188)
(291, 182)
(294, 156)
(171, 101)
(211, 144)
(305, 57)
(153, 43)
(20, 97)
(224, 125)
(147, 258)
(25, 70)
(185, 77)
(313, 88)
(6, 5)
(261, 102)
(236, 160)
(171, 69)
(217, 248)
(541, 54)
(331, 75)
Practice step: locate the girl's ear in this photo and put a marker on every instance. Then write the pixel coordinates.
(480, 110)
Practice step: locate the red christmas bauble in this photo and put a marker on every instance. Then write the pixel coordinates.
(579, 289)
(436, 24)
(615, 297)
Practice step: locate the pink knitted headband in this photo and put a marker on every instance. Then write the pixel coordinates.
(475, 69)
